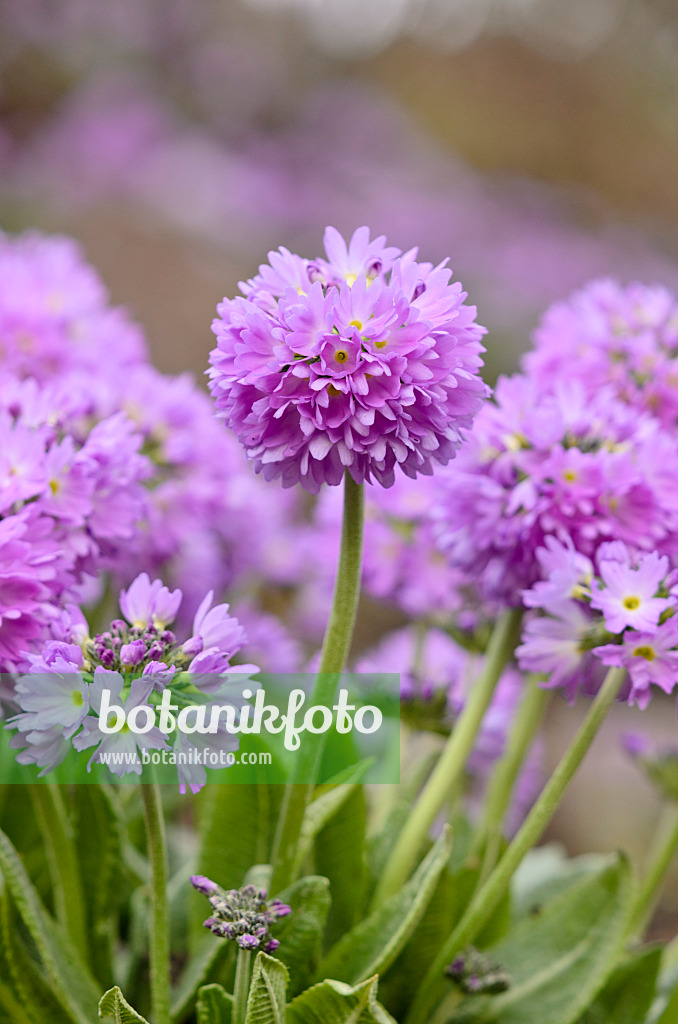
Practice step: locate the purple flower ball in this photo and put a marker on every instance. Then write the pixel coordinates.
(364, 361)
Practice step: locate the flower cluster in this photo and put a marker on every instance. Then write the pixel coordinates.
(70, 502)
(54, 312)
(607, 335)
(108, 464)
(620, 610)
(366, 360)
(60, 698)
(560, 463)
(476, 974)
(242, 914)
(208, 525)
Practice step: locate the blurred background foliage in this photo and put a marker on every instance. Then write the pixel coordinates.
(533, 142)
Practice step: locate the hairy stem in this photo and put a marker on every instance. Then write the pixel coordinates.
(505, 774)
(241, 990)
(335, 650)
(447, 773)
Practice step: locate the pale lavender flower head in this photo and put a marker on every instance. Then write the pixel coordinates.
(609, 335)
(122, 465)
(54, 312)
(363, 361)
(60, 696)
(622, 613)
(70, 498)
(559, 464)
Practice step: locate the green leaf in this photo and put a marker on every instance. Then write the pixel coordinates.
(455, 888)
(333, 1002)
(547, 871)
(400, 984)
(99, 849)
(238, 826)
(266, 1001)
(214, 1005)
(339, 856)
(664, 1009)
(14, 1012)
(300, 934)
(629, 993)
(70, 980)
(114, 1009)
(398, 807)
(372, 946)
(318, 814)
(668, 1010)
(26, 995)
(560, 958)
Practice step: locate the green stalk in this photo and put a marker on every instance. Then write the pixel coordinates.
(488, 896)
(57, 835)
(447, 773)
(241, 989)
(160, 923)
(446, 1009)
(506, 772)
(662, 853)
(335, 650)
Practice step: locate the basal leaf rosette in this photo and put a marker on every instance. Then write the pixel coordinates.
(364, 361)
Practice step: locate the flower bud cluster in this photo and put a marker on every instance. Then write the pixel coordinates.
(124, 647)
(242, 915)
(475, 973)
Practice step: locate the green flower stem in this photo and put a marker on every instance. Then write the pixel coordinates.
(662, 853)
(447, 773)
(489, 895)
(506, 771)
(160, 923)
(447, 1007)
(57, 835)
(335, 650)
(241, 990)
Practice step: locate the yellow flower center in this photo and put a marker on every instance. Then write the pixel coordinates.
(341, 355)
(570, 475)
(631, 603)
(54, 486)
(78, 698)
(644, 652)
(357, 324)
